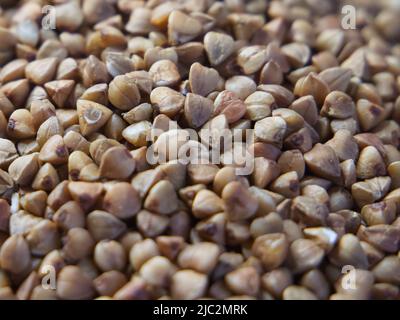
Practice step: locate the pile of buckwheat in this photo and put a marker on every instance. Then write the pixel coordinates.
(237, 149)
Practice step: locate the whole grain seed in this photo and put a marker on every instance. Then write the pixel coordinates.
(286, 184)
(164, 73)
(47, 129)
(21, 124)
(349, 252)
(141, 252)
(218, 46)
(46, 178)
(305, 254)
(323, 162)
(370, 164)
(92, 116)
(182, 28)
(168, 101)
(243, 281)
(16, 91)
(201, 257)
(270, 130)
(383, 237)
(103, 225)
(15, 255)
(117, 163)
(109, 255)
(108, 283)
(344, 145)
(197, 110)
(239, 203)
(158, 271)
(283, 97)
(308, 211)
(69, 216)
(151, 224)
(41, 71)
(312, 85)
(74, 284)
(23, 169)
(337, 78)
(162, 198)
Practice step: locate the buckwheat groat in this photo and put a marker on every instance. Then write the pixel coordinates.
(241, 149)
